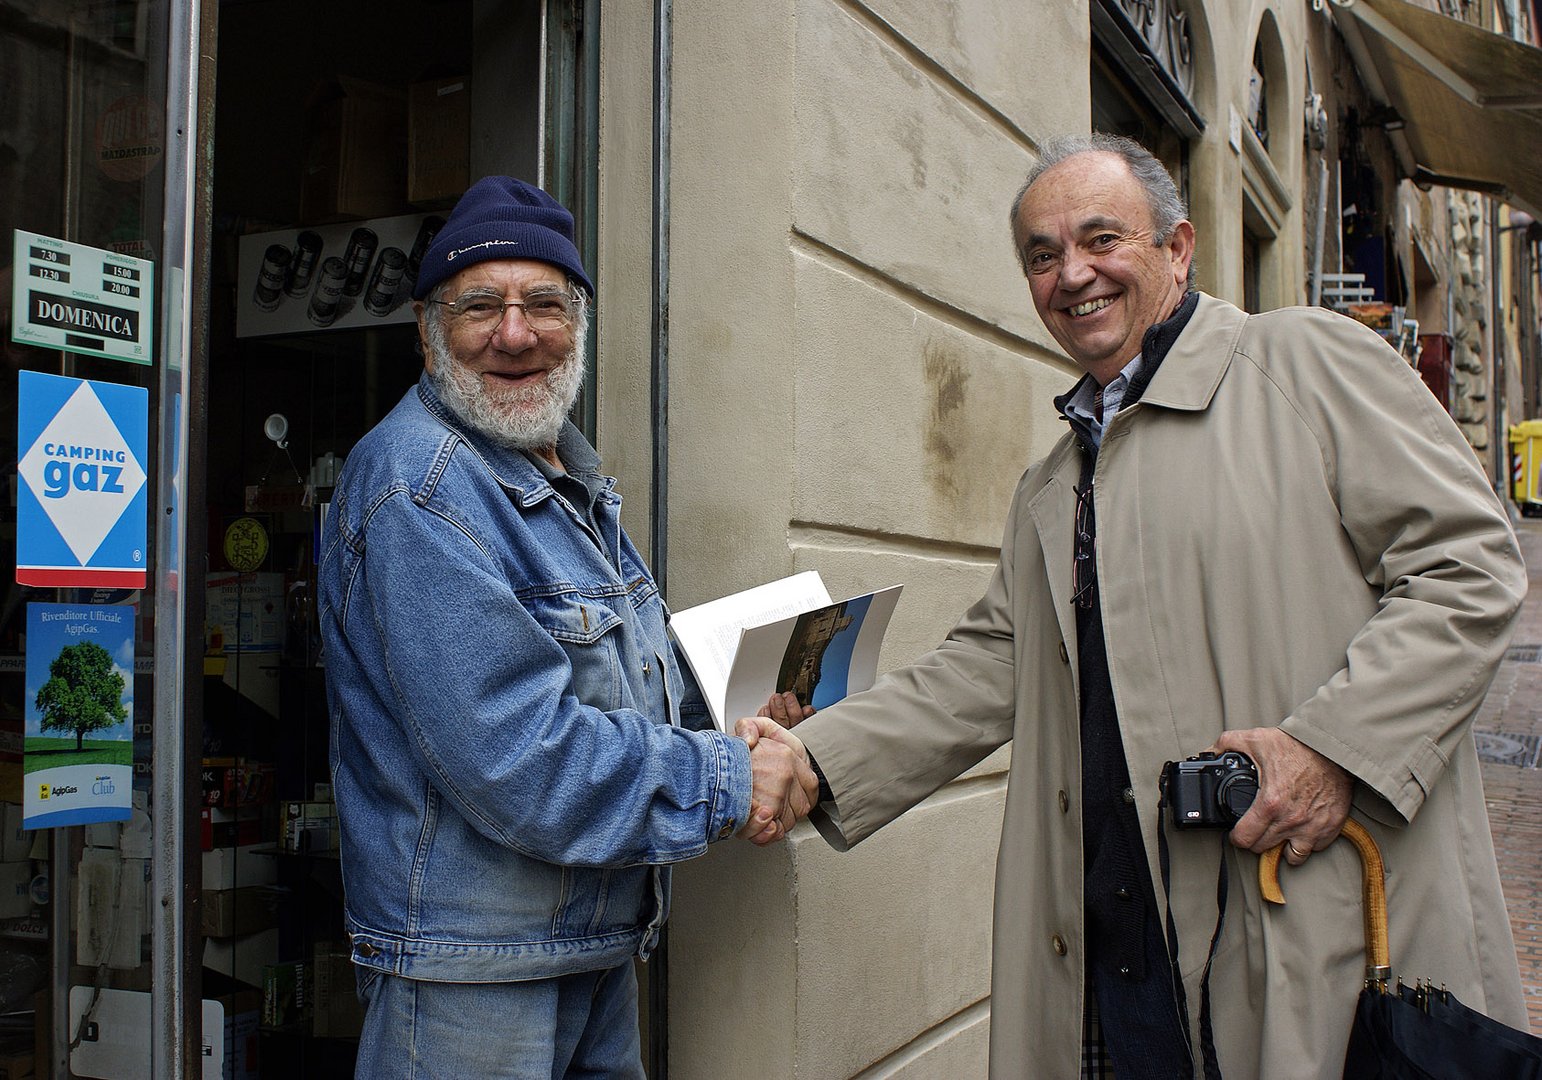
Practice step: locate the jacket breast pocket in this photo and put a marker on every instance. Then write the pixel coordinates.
(590, 633)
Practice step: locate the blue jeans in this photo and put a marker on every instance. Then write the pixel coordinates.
(571, 1026)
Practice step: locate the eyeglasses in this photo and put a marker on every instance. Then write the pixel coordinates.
(485, 310)
(1084, 567)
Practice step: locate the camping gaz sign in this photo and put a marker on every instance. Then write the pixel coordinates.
(81, 299)
(83, 499)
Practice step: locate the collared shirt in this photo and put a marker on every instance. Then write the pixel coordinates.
(581, 484)
(1096, 407)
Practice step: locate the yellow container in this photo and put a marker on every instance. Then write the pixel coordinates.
(1526, 465)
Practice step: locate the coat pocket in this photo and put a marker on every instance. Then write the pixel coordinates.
(589, 632)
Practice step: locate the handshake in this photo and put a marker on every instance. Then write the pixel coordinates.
(784, 788)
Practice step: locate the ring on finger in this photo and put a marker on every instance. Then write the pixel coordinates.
(1297, 852)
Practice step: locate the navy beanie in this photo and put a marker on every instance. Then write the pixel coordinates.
(500, 217)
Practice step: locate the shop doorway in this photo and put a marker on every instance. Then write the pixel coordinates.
(344, 132)
(334, 135)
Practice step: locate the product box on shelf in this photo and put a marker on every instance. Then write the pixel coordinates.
(286, 994)
(243, 1011)
(309, 827)
(11, 742)
(242, 957)
(16, 889)
(337, 1012)
(438, 141)
(232, 782)
(219, 827)
(243, 612)
(15, 842)
(355, 151)
(240, 911)
(234, 867)
(17, 1059)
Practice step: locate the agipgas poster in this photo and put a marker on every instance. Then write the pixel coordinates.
(79, 748)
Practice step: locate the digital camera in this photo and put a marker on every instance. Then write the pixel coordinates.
(1210, 791)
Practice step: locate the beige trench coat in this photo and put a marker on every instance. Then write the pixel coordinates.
(1290, 531)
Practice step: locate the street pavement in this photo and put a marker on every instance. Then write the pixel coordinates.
(1508, 728)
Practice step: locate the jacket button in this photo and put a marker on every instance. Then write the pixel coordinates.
(727, 830)
(1065, 654)
(1057, 943)
(1125, 970)
(1129, 795)
(1123, 894)
(366, 950)
(1065, 802)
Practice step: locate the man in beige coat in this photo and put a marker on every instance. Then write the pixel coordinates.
(1261, 534)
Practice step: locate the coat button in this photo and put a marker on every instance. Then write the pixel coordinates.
(1124, 970)
(1065, 802)
(1057, 943)
(727, 830)
(1065, 654)
(1129, 795)
(366, 950)
(1123, 894)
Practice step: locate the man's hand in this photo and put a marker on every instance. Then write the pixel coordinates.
(783, 787)
(1303, 798)
(785, 709)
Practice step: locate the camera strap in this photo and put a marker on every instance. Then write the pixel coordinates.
(1206, 1032)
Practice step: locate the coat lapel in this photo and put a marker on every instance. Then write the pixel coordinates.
(1188, 377)
(1053, 510)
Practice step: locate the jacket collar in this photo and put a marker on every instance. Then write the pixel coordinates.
(1200, 336)
(1154, 346)
(510, 467)
(1199, 357)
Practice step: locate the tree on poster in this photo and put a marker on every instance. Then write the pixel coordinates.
(84, 692)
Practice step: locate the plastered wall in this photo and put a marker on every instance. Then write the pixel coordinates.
(858, 383)
(857, 380)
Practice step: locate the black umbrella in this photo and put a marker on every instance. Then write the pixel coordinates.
(1416, 1032)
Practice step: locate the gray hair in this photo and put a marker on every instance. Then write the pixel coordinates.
(1162, 196)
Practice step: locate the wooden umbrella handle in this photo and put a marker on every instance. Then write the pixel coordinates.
(1374, 892)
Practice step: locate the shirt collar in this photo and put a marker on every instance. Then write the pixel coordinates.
(1082, 404)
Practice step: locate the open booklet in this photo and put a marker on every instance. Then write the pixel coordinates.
(784, 635)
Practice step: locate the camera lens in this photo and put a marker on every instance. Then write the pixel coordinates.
(1237, 793)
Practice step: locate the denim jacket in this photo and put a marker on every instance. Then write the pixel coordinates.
(511, 771)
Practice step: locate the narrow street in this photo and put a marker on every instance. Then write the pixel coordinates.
(1509, 733)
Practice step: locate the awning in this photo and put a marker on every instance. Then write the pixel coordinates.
(1466, 103)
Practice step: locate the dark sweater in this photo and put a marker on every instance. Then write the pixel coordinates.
(1123, 928)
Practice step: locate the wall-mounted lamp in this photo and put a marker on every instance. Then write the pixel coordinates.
(276, 428)
(1316, 122)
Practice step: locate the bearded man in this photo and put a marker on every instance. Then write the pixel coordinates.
(517, 756)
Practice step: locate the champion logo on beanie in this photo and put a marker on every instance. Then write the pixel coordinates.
(500, 217)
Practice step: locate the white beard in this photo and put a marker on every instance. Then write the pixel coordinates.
(521, 418)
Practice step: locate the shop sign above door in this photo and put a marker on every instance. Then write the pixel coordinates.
(81, 299)
(81, 504)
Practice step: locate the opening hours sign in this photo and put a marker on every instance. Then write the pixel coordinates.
(80, 299)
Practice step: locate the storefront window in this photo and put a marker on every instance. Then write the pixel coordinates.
(89, 407)
(159, 630)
